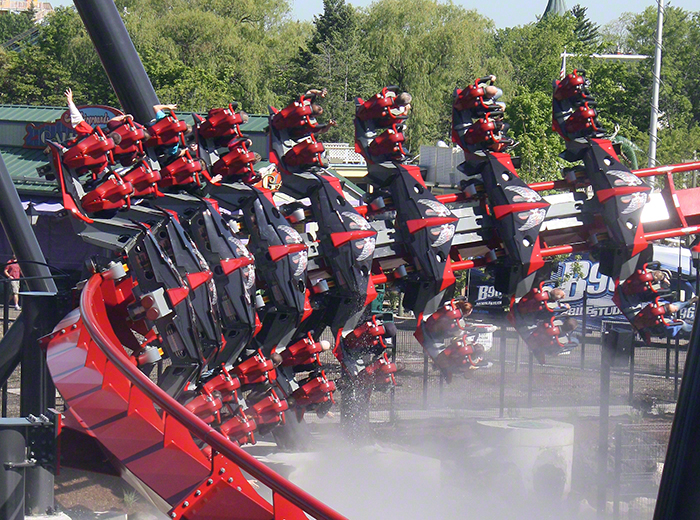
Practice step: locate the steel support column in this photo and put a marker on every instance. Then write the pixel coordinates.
(12, 451)
(679, 493)
(37, 392)
(119, 58)
(21, 236)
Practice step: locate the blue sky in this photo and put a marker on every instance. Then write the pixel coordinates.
(506, 13)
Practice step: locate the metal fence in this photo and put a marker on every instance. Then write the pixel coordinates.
(638, 455)
(343, 153)
(647, 380)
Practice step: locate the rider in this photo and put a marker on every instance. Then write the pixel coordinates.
(77, 121)
(543, 300)
(491, 92)
(460, 358)
(169, 151)
(313, 127)
(651, 318)
(445, 323)
(443, 339)
(552, 336)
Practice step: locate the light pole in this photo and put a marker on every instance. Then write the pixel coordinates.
(653, 125)
(619, 57)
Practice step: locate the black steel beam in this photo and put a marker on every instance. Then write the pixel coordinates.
(21, 236)
(11, 349)
(119, 58)
(20, 342)
(679, 492)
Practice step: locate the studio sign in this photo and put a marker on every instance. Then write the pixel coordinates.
(37, 135)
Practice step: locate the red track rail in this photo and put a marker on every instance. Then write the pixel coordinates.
(564, 185)
(673, 168)
(92, 320)
(672, 233)
(461, 265)
(448, 198)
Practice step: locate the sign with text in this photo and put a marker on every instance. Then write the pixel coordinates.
(598, 287)
(38, 135)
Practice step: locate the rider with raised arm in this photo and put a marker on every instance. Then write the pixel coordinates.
(313, 127)
(77, 121)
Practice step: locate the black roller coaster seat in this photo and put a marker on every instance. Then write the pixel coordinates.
(484, 134)
(238, 161)
(167, 132)
(89, 153)
(114, 193)
(306, 153)
(388, 143)
(182, 171)
(376, 107)
(144, 179)
(295, 114)
(131, 136)
(573, 85)
(220, 122)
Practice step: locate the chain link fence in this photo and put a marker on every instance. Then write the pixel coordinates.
(638, 457)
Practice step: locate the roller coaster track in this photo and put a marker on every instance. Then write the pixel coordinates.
(168, 249)
(155, 437)
(17, 43)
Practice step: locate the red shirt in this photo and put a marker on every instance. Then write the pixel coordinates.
(13, 270)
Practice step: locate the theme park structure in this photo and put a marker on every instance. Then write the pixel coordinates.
(211, 273)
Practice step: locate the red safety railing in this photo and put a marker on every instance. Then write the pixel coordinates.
(561, 184)
(197, 427)
(672, 168)
(671, 233)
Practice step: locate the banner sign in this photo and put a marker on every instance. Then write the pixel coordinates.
(598, 288)
(38, 135)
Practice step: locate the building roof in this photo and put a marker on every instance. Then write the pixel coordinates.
(256, 124)
(22, 164)
(557, 7)
(38, 114)
(30, 114)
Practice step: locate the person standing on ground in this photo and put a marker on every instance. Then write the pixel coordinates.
(13, 272)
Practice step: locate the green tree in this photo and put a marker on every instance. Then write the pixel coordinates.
(200, 54)
(680, 145)
(14, 24)
(334, 59)
(534, 50)
(427, 49)
(679, 99)
(681, 32)
(530, 116)
(64, 40)
(31, 78)
(585, 30)
(197, 54)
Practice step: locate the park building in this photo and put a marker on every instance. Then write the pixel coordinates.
(41, 9)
